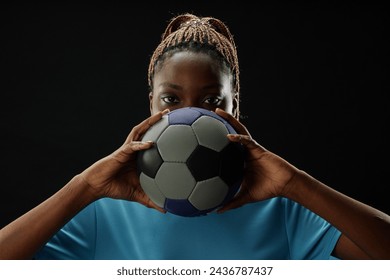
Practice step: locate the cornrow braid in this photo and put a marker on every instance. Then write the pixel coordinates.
(199, 34)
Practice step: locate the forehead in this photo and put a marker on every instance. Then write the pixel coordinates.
(192, 68)
(193, 62)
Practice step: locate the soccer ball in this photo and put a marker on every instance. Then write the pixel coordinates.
(193, 168)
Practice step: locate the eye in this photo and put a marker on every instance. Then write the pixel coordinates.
(213, 100)
(170, 99)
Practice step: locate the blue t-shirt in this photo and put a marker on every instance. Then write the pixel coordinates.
(274, 229)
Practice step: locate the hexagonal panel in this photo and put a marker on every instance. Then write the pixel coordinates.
(209, 194)
(216, 116)
(151, 189)
(175, 180)
(211, 133)
(155, 131)
(176, 143)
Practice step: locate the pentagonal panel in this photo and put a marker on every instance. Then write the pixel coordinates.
(150, 188)
(181, 207)
(232, 163)
(175, 180)
(176, 143)
(211, 133)
(204, 163)
(149, 161)
(233, 190)
(209, 194)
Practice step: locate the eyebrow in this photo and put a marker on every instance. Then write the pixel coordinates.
(170, 85)
(177, 87)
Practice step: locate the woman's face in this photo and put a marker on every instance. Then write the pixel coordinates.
(188, 79)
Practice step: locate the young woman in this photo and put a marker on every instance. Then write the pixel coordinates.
(281, 212)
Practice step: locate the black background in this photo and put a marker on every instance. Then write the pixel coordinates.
(314, 85)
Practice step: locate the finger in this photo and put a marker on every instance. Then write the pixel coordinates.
(140, 196)
(239, 200)
(124, 152)
(240, 138)
(151, 204)
(138, 145)
(155, 118)
(142, 127)
(237, 125)
(245, 140)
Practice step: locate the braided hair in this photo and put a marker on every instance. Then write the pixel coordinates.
(197, 34)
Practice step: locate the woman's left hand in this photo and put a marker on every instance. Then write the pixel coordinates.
(266, 174)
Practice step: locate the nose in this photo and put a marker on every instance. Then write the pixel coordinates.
(191, 102)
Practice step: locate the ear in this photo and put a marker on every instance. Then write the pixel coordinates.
(151, 102)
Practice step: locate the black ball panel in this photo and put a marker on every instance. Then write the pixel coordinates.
(204, 163)
(232, 167)
(149, 161)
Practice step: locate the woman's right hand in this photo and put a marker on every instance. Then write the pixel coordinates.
(115, 175)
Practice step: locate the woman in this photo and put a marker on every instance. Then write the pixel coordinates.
(281, 212)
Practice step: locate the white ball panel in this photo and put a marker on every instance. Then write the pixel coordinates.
(211, 133)
(151, 189)
(178, 186)
(158, 128)
(176, 143)
(209, 193)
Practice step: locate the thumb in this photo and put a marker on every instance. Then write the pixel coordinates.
(239, 200)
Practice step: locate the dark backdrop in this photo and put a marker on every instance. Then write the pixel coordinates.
(314, 86)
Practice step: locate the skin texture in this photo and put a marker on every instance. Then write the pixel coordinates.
(194, 79)
(189, 79)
